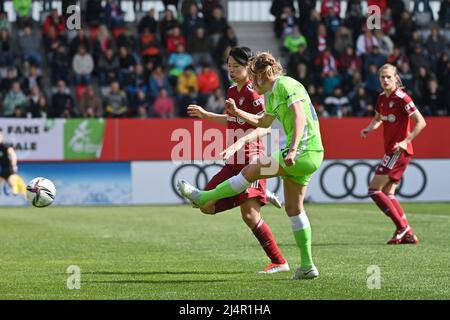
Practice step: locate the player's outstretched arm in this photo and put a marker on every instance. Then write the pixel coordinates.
(13, 158)
(258, 120)
(299, 127)
(373, 125)
(194, 110)
(252, 136)
(418, 127)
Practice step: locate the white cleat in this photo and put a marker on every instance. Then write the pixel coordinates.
(273, 199)
(275, 268)
(190, 192)
(310, 273)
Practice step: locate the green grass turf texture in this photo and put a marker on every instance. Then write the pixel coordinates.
(175, 252)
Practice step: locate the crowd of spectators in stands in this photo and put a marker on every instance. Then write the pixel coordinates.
(153, 67)
(156, 66)
(337, 59)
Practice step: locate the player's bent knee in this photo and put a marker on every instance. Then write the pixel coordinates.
(208, 210)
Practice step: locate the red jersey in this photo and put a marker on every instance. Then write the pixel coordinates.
(248, 100)
(395, 111)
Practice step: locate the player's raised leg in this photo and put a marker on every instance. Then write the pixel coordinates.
(263, 168)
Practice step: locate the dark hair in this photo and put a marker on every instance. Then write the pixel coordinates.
(242, 55)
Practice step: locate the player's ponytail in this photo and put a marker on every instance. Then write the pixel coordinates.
(265, 66)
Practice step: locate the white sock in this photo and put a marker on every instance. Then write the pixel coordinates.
(300, 221)
(238, 183)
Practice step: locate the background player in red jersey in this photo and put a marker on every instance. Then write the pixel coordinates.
(256, 195)
(394, 109)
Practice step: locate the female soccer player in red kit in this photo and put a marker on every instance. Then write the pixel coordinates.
(252, 199)
(394, 109)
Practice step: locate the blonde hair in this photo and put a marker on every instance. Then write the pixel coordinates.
(394, 68)
(265, 65)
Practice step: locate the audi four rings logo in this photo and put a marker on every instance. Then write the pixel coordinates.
(349, 180)
(202, 175)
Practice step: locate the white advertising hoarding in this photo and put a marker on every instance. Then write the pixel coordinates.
(335, 181)
(35, 139)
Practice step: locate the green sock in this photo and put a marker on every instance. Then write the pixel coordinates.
(223, 190)
(303, 240)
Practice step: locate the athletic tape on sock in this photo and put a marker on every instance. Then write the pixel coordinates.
(238, 183)
(300, 221)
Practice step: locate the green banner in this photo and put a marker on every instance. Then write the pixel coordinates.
(83, 138)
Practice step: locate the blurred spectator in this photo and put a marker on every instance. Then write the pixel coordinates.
(81, 39)
(354, 17)
(94, 13)
(187, 81)
(12, 75)
(139, 105)
(326, 62)
(330, 5)
(91, 103)
(150, 47)
(23, 11)
(216, 25)
(373, 57)
(373, 86)
(404, 28)
(148, 22)
(6, 49)
(82, 65)
(163, 107)
(127, 62)
(113, 14)
(227, 40)
(115, 102)
(406, 75)
(444, 14)
(365, 42)
(303, 75)
(382, 4)
(200, 47)
(342, 40)
(174, 39)
(103, 42)
(108, 68)
(208, 7)
(4, 21)
(60, 65)
(420, 89)
(55, 20)
(179, 60)
(301, 56)
(398, 57)
(435, 44)
(216, 102)
(305, 8)
(320, 40)
(167, 22)
(158, 81)
(126, 38)
(285, 20)
(385, 44)
(333, 22)
(207, 80)
(31, 78)
(387, 22)
(433, 103)
(362, 106)
(62, 102)
(425, 17)
(137, 82)
(14, 98)
(337, 104)
(29, 46)
(294, 40)
(192, 21)
(37, 104)
(419, 59)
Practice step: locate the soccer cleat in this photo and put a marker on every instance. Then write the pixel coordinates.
(399, 234)
(409, 238)
(273, 199)
(190, 192)
(275, 268)
(310, 273)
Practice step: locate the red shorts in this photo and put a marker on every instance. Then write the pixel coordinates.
(256, 190)
(394, 165)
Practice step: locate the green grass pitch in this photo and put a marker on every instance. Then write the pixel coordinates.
(174, 252)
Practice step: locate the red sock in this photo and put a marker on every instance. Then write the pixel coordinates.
(398, 207)
(265, 237)
(385, 205)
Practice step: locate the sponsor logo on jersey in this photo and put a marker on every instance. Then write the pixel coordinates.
(391, 104)
(258, 102)
(390, 118)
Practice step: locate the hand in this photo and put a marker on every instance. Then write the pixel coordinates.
(401, 145)
(364, 133)
(194, 110)
(15, 168)
(230, 107)
(289, 160)
(228, 152)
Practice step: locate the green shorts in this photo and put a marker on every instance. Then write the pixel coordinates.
(306, 163)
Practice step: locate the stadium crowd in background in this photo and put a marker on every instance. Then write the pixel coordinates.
(337, 59)
(158, 65)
